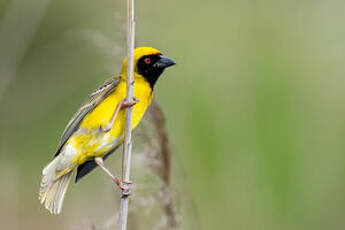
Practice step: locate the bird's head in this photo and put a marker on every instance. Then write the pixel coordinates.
(148, 63)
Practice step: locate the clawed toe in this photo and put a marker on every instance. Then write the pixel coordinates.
(125, 191)
(128, 182)
(125, 103)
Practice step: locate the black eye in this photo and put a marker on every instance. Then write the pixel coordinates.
(147, 60)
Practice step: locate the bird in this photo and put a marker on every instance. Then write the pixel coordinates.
(96, 130)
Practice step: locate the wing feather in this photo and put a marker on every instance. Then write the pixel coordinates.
(92, 101)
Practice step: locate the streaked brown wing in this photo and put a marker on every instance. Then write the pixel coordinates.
(92, 101)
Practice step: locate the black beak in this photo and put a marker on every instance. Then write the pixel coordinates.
(163, 62)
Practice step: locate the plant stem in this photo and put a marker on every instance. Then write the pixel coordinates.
(127, 147)
(159, 124)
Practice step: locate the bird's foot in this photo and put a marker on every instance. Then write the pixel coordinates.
(122, 104)
(123, 185)
(126, 191)
(125, 104)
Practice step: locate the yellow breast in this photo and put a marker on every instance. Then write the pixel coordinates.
(91, 141)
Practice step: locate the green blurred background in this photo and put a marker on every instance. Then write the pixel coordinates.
(255, 107)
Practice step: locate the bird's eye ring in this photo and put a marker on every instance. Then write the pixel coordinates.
(147, 60)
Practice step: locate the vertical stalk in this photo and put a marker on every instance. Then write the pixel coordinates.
(127, 147)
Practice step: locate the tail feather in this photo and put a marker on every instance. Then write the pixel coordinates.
(53, 188)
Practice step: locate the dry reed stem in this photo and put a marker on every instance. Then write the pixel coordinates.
(165, 152)
(127, 146)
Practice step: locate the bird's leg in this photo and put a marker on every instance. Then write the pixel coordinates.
(122, 104)
(117, 181)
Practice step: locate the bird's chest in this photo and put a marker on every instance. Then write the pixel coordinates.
(91, 140)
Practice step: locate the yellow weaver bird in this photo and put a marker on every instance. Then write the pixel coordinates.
(97, 128)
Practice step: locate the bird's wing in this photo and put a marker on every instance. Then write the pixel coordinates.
(92, 101)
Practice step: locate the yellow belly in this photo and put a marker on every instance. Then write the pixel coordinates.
(89, 141)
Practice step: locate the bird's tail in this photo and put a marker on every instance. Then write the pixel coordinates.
(53, 187)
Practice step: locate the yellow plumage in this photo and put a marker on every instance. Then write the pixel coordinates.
(84, 137)
(88, 143)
